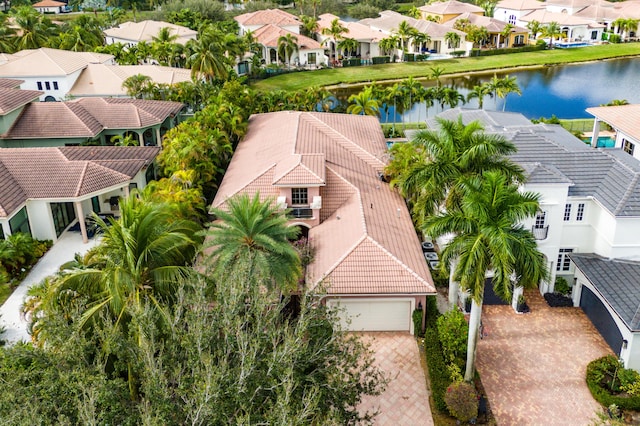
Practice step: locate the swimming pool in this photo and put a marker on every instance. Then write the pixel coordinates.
(568, 45)
(603, 141)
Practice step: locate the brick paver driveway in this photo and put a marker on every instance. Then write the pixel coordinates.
(405, 402)
(533, 366)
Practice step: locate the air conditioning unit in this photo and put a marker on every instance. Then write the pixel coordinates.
(281, 202)
(317, 202)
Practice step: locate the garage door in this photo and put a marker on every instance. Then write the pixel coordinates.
(601, 318)
(374, 314)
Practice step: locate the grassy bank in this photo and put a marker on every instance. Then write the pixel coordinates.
(353, 75)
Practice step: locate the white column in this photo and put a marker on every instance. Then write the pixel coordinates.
(126, 191)
(83, 225)
(141, 138)
(596, 130)
(158, 137)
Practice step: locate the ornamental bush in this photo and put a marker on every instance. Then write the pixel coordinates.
(438, 372)
(607, 380)
(462, 401)
(452, 332)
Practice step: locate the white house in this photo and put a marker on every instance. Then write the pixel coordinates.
(47, 190)
(50, 6)
(588, 225)
(132, 33)
(366, 37)
(512, 11)
(573, 27)
(625, 121)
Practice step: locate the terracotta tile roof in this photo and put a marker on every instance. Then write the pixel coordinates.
(49, 3)
(300, 170)
(268, 16)
(389, 21)
(66, 172)
(11, 99)
(491, 24)
(87, 117)
(451, 7)
(147, 30)
(355, 30)
(545, 17)
(46, 62)
(364, 225)
(520, 4)
(106, 80)
(268, 35)
(10, 83)
(625, 118)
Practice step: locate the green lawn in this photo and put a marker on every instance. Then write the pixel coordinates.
(353, 75)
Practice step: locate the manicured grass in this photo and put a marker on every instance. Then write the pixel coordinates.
(364, 74)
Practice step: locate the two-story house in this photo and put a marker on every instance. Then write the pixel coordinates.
(326, 169)
(588, 225)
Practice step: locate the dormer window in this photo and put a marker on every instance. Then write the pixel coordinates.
(299, 196)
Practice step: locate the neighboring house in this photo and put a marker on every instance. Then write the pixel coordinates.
(51, 71)
(388, 23)
(589, 220)
(573, 27)
(326, 169)
(367, 38)
(89, 120)
(511, 11)
(518, 36)
(103, 80)
(267, 26)
(50, 6)
(45, 190)
(132, 33)
(445, 11)
(13, 101)
(625, 121)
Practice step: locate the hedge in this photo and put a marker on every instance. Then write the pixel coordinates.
(491, 52)
(438, 372)
(596, 370)
(432, 312)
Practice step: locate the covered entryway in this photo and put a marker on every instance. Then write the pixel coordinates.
(374, 314)
(601, 318)
(490, 297)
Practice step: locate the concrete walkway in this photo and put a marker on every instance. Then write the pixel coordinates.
(405, 401)
(533, 365)
(62, 251)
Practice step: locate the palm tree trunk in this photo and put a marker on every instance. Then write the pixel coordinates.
(453, 289)
(504, 105)
(472, 341)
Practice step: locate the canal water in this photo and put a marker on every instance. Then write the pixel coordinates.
(564, 91)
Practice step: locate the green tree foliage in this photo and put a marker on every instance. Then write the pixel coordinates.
(32, 29)
(364, 103)
(462, 401)
(452, 332)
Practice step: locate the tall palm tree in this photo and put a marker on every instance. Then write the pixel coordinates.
(480, 92)
(387, 44)
(33, 30)
(489, 237)
(364, 103)
(309, 26)
(535, 27)
(207, 58)
(553, 31)
(453, 39)
(7, 34)
(508, 85)
(287, 45)
(405, 33)
(162, 45)
(335, 32)
(444, 159)
(505, 33)
(253, 235)
(419, 39)
(348, 46)
(395, 95)
(625, 25)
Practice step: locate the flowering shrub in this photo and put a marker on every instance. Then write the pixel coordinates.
(462, 401)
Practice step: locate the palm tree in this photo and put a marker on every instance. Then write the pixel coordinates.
(480, 92)
(364, 103)
(388, 44)
(413, 90)
(535, 27)
(137, 86)
(348, 46)
(405, 33)
(335, 31)
(163, 44)
(207, 58)
(505, 33)
(33, 30)
(419, 39)
(309, 26)
(453, 39)
(435, 74)
(287, 45)
(253, 234)
(508, 85)
(395, 94)
(624, 26)
(7, 34)
(552, 31)
(489, 237)
(616, 102)
(446, 157)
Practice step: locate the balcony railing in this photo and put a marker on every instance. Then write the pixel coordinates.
(540, 233)
(302, 213)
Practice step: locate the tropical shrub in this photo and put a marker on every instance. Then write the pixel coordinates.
(452, 333)
(438, 372)
(562, 286)
(19, 252)
(417, 322)
(610, 383)
(462, 401)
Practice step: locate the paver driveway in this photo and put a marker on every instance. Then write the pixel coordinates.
(405, 402)
(533, 365)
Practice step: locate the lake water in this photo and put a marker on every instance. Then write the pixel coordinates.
(564, 91)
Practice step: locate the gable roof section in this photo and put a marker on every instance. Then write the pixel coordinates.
(10, 83)
(491, 24)
(147, 30)
(389, 21)
(49, 3)
(617, 281)
(87, 117)
(46, 62)
(10, 99)
(275, 17)
(268, 35)
(625, 118)
(520, 4)
(544, 17)
(300, 170)
(364, 225)
(66, 172)
(451, 7)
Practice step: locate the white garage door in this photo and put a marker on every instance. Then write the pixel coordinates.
(374, 314)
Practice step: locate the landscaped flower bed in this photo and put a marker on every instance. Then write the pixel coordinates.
(612, 384)
(556, 300)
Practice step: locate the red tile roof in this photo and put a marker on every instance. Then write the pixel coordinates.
(365, 242)
(10, 99)
(87, 117)
(268, 35)
(66, 172)
(10, 83)
(268, 16)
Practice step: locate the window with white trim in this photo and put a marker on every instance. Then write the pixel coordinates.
(567, 212)
(299, 196)
(541, 220)
(564, 263)
(580, 212)
(628, 146)
(512, 19)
